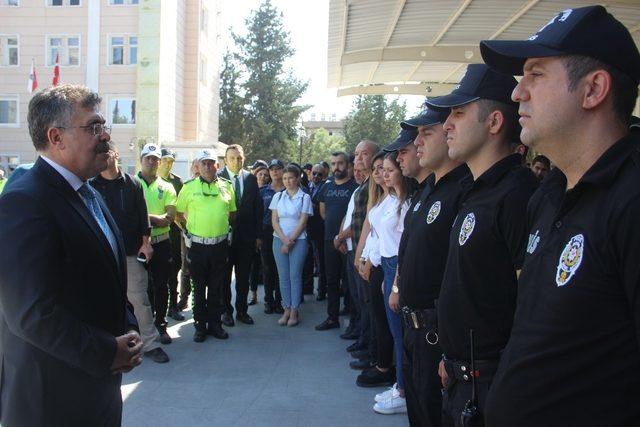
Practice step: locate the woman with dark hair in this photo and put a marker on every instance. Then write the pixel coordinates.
(261, 173)
(290, 210)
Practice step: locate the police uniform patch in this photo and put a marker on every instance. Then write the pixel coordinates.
(570, 260)
(467, 228)
(534, 239)
(416, 207)
(434, 211)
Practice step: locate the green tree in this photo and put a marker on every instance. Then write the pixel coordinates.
(270, 90)
(232, 112)
(373, 117)
(320, 145)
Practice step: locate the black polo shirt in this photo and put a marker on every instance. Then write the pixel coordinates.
(574, 355)
(414, 199)
(427, 237)
(486, 247)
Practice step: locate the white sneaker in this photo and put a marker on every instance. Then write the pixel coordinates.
(394, 405)
(385, 395)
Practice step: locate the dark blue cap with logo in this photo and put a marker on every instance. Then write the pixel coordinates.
(589, 31)
(479, 82)
(259, 164)
(276, 163)
(427, 117)
(405, 137)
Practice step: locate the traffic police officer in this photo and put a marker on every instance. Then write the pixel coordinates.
(175, 237)
(574, 356)
(161, 200)
(205, 206)
(423, 265)
(487, 240)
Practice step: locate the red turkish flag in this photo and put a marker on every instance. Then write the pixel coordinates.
(56, 72)
(32, 85)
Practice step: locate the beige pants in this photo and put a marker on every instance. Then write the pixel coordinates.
(137, 282)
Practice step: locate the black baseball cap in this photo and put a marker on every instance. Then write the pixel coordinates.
(589, 31)
(307, 166)
(405, 137)
(427, 117)
(259, 163)
(479, 82)
(276, 163)
(165, 152)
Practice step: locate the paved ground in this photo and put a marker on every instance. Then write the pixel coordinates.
(264, 375)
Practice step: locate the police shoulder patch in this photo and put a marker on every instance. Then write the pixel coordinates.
(570, 260)
(466, 229)
(434, 211)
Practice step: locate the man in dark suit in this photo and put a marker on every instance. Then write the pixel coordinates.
(67, 331)
(245, 232)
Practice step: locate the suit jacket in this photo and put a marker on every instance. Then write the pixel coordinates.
(62, 303)
(248, 222)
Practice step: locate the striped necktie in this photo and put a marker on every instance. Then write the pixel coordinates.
(89, 196)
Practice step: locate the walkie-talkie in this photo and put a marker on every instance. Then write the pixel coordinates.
(470, 416)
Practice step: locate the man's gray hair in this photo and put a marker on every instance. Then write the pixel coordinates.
(54, 106)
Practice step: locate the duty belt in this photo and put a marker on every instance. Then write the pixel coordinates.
(159, 238)
(422, 319)
(461, 369)
(208, 240)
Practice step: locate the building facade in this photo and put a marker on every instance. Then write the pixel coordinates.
(154, 62)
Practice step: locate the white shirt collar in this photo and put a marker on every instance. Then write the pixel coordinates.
(299, 194)
(69, 176)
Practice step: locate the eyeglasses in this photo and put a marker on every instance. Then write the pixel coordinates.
(318, 174)
(96, 129)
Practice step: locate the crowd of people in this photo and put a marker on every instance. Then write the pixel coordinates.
(481, 288)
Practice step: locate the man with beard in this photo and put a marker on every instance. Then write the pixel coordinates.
(334, 198)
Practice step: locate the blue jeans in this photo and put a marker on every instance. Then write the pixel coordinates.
(389, 266)
(290, 267)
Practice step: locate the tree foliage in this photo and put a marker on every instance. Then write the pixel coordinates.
(231, 121)
(373, 117)
(320, 145)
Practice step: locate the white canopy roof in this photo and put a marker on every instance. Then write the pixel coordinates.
(421, 47)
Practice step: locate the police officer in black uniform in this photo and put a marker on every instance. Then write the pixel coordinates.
(487, 240)
(426, 239)
(574, 356)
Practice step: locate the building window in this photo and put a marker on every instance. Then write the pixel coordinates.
(203, 70)
(123, 50)
(122, 2)
(122, 111)
(9, 110)
(63, 2)
(66, 47)
(9, 53)
(9, 3)
(204, 20)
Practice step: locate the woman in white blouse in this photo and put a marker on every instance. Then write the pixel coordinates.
(290, 209)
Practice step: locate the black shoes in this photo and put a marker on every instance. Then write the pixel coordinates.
(199, 336)
(227, 319)
(164, 336)
(278, 309)
(360, 354)
(321, 297)
(244, 318)
(328, 324)
(373, 377)
(360, 365)
(182, 304)
(355, 347)
(350, 334)
(157, 355)
(253, 301)
(268, 308)
(175, 314)
(344, 312)
(216, 331)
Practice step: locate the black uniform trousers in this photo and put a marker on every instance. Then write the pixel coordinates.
(423, 388)
(383, 339)
(318, 253)
(307, 271)
(185, 275)
(457, 394)
(335, 268)
(256, 271)
(355, 307)
(272, 295)
(175, 237)
(159, 271)
(240, 256)
(208, 267)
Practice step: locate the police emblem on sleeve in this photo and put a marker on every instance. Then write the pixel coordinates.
(570, 260)
(416, 207)
(434, 211)
(467, 228)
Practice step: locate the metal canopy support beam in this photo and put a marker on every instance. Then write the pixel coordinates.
(464, 54)
(452, 20)
(524, 9)
(425, 89)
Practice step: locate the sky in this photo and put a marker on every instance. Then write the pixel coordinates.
(307, 23)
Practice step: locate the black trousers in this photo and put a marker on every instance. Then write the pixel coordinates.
(423, 389)
(335, 269)
(208, 266)
(240, 256)
(269, 270)
(318, 253)
(256, 271)
(307, 271)
(366, 322)
(185, 275)
(175, 237)
(159, 270)
(384, 339)
(355, 306)
(456, 395)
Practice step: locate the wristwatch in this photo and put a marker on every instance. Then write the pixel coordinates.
(395, 289)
